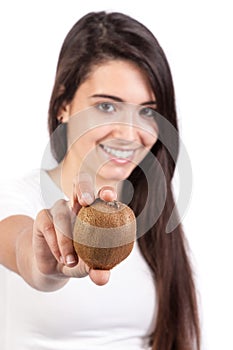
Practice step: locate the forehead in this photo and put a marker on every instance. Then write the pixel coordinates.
(120, 78)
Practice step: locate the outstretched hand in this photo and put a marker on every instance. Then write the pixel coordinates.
(52, 234)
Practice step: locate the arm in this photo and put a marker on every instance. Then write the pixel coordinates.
(17, 253)
(38, 250)
(10, 229)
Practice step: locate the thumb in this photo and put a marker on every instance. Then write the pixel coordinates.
(99, 277)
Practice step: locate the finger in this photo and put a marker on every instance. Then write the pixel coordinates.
(99, 277)
(75, 205)
(84, 189)
(45, 244)
(62, 219)
(78, 271)
(108, 193)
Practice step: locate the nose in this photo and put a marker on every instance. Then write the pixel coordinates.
(125, 131)
(126, 128)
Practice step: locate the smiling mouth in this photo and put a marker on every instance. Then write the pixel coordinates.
(118, 153)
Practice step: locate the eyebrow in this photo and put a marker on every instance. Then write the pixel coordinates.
(118, 99)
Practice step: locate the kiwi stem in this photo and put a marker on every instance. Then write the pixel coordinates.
(113, 204)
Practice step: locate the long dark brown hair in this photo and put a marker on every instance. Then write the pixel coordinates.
(94, 39)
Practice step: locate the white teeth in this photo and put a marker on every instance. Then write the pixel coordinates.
(118, 153)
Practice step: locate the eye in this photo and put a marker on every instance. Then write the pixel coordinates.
(147, 112)
(106, 107)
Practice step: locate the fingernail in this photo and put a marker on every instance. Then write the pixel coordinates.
(70, 259)
(87, 198)
(109, 194)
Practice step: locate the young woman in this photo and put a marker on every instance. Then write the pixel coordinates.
(112, 118)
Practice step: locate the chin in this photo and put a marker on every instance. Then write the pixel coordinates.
(115, 175)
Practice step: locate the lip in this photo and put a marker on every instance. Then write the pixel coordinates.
(118, 155)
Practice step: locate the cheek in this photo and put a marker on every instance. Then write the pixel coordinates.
(82, 146)
(88, 140)
(149, 140)
(94, 136)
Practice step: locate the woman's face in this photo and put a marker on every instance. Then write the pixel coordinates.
(110, 122)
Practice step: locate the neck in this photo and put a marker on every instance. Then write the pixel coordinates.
(63, 176)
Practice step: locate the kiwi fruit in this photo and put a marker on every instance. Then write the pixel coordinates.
(104, 233)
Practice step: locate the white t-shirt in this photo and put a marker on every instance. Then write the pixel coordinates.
(81, 315)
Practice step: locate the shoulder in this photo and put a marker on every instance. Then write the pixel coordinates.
(21, 195)
(22, 185)
(28, 194)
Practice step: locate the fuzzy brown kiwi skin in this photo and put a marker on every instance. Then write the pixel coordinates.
(103, 258)
(104, 234)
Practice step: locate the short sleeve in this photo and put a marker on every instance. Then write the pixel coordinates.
(28, 195)
(20, 197)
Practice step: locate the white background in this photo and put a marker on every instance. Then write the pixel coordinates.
(197, 38)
